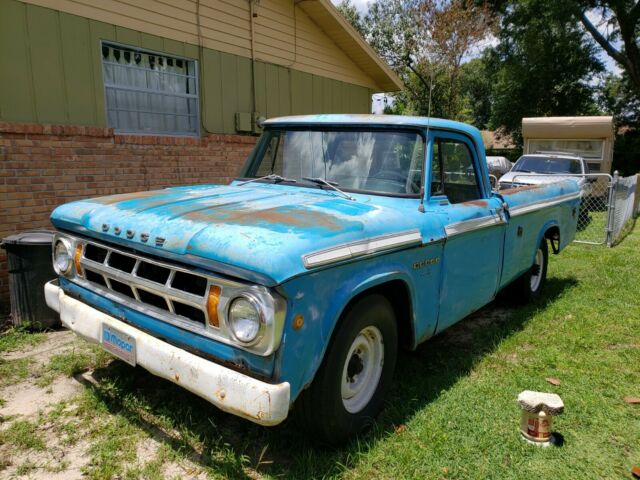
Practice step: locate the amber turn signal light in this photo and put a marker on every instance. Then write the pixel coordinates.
(212, 305)
(77, 256)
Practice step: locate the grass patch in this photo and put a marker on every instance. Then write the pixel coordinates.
(70, 363)
(23, 435)
(26, 468)
(113, 450)
(14, 338)
(13, 371)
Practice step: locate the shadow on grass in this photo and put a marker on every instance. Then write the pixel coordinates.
(230, 446)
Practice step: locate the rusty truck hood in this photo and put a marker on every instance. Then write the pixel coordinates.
(260, 228)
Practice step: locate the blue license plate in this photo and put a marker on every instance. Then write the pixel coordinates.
(119, 344)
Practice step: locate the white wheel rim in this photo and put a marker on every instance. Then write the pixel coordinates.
(362, 369)
(536, 271)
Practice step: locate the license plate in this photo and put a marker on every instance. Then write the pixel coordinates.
(119, 344)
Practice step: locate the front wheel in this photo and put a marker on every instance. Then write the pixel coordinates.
(528, 287)
(348, 390)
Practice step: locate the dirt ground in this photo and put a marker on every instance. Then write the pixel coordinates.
(57, 444)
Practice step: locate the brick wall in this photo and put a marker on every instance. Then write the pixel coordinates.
(42, 166)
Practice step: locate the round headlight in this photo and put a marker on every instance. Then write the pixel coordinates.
(245, 319)
(62, 257)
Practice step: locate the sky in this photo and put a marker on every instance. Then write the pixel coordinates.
(361, 5)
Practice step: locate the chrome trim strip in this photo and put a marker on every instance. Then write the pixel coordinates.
(466, 226)
(360, 248)
(534, 206)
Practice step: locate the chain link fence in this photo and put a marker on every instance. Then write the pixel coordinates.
(625, 207)
(608, 207)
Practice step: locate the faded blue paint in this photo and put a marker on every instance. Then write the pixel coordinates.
(259, 232)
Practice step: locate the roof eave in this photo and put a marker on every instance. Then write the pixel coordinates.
(386, 79)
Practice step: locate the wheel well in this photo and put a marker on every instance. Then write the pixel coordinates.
(397, 292)
(553, 235)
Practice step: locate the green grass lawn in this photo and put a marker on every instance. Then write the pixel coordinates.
(452, 411)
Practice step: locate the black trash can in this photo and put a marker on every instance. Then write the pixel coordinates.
(30, 267)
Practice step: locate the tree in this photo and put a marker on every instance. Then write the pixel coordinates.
(622, 17)
(618, 98)
(426, 42)
(350, 12)
(543, 65)
(476, 86)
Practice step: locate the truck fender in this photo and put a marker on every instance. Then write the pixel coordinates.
(366, 282)
(543, 231)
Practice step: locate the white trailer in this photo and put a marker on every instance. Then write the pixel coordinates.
(588, 137)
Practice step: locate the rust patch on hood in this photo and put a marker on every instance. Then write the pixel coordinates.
(124, 197)
(510, 191)
(284, 215)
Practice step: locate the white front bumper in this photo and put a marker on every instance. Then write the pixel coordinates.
(227, 389)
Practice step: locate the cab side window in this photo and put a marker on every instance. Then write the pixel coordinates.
(452, 171)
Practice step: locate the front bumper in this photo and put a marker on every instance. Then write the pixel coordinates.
(231, 391)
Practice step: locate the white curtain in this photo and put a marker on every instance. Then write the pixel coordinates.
(146, 92)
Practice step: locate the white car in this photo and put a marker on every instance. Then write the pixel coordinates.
(548, 167)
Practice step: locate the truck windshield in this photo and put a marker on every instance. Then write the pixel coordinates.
(375, 161)
(532, 164)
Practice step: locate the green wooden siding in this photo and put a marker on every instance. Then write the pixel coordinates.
(51, 72)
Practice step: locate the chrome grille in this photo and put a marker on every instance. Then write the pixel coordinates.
(168, 288)
(173, 293)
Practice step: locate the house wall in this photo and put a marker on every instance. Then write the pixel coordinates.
(284, 33)
(42, 166)
(51, 72)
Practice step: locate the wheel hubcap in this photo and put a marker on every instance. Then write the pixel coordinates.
(362, 369)
(536, 271)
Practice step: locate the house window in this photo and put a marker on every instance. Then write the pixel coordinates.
(148, 92)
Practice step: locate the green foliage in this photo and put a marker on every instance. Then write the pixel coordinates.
(542, 65)
(15, 338)
(13, 371)
(23, 435)
(618, 98)
(621, 41)
(426, 42)
(350, 12)
(626, 152)
(70, 363)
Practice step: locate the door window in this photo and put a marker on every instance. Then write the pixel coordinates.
(453, 172)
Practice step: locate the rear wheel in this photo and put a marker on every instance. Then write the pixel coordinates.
(348, 390)
(528, 287)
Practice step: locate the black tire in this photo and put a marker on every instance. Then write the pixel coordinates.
(525, 289)
(321, 410)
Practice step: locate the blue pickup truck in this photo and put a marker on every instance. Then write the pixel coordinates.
(345, 238)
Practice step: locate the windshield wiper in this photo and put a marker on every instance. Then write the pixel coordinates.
(334, 185)
(272, 176)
